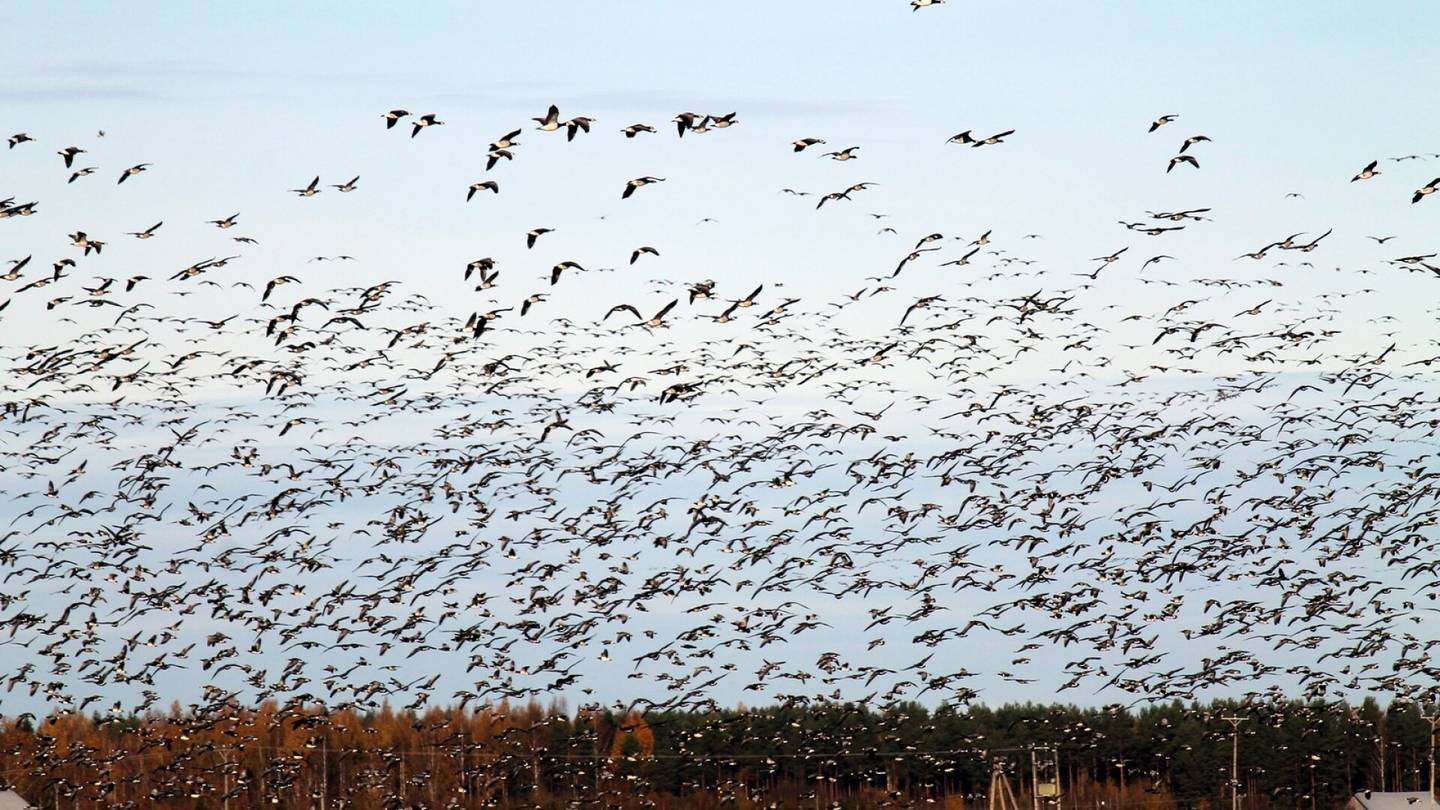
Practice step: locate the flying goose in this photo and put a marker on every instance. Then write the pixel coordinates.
(638, 183)
(19, 138)
(310, 190)
(148, 232)
(426, 120)
(393, 116)
(1162, 121)
(804, 143)
(848, 153)
(684, 121)
(227, 222)
(635, 129)
(348, 186)
(69, 153)
(487, 185)
(1425, 190)
(535, 233)
(635, 255)
(551, 121)
(998, 137)
(506, 141)
(1178, 159)
(560, 268)
(131, 172)
(79, 173)
(961, 138)
(1191, 141)
(575, 124)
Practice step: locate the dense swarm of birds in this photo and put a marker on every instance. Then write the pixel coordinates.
(261, 485)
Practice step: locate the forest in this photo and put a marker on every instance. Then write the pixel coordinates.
(833, 755)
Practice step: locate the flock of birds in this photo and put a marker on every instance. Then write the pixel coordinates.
(249, 485)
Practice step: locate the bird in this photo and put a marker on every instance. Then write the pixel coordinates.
(1368, 172)
(486, 185)
(577, 124)
(635, 129)
(805, 143)
(348, 186)
(551, 121)
(392, 117)
(1425, 190)
(643, 249)
(1191, 141)
(69, 153)
(1162, 121)
(426, 120)
(1178, 159)
(225, 223)
(916, 5)
(534, 234)
(18, 138)
(132, 171)
(962, 138)
(998, 137)
(638, 182)
(310, 190)
(506, 141)
(848, 153)
(148, 232)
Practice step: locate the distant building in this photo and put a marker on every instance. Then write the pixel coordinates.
(1375, 800)
(10, 800)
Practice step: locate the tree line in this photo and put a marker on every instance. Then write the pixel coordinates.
(1173, 756)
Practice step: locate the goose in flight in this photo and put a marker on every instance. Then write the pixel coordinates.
(79, 173)
(635, 129)
(998, 137)
(1192, 140)
(551, 121)
(348, 186)
(848, 153)
(1178, 159)
(805, 143)
(643, 249)
(506, 141)
(1368, 172)
(148, 232)
(1425, 190)
(486, 185)
(560, 268)
(638, 182)
(961, 138)
(310, 190)
(1162, 121)
(495, 156)
(394, 116)
(916, 5)
(535, 233)
(577, 124)
(426, 120)
(227, 222)
(69, 153)
(684, 121)
(131, 172)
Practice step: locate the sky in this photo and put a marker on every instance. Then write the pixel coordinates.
(235, 105)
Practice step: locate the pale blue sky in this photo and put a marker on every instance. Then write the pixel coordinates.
(235, 104)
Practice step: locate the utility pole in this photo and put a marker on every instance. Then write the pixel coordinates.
(1434, 721)
(1234, 760)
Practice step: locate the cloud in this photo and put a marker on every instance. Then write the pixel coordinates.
(77, 91)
